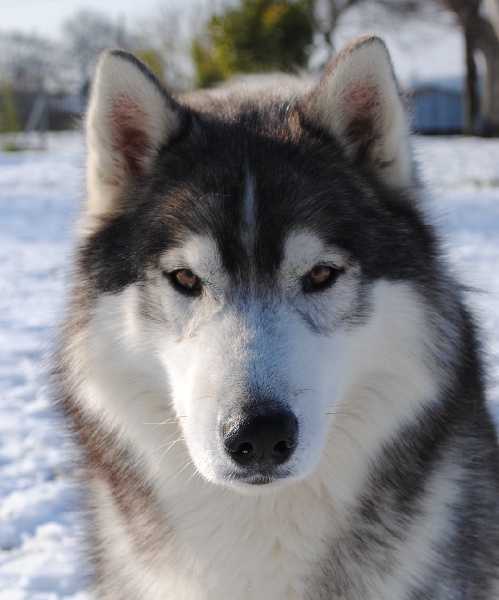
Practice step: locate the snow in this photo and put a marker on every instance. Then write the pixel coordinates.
(40, 194)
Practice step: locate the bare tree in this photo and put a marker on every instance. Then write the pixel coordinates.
(479, 31)
(492, 7)
(165, 42)
(330, 13)
(479, 35)
(28, 62)
(86, 35)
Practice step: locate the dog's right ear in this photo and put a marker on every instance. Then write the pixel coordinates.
(130, 116)
(358, 102)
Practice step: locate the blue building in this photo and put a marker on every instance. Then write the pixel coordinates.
(437, 107)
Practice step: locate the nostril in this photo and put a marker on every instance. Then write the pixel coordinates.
(245, 448)
(242, 453)
(282, 448)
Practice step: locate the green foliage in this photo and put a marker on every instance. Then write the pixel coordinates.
(10, 146)
(9, 121)
(211, 68)
(153, 59)
(257, 36)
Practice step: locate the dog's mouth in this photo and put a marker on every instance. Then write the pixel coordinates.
(256, 477)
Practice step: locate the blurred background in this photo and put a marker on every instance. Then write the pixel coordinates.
(446, 52)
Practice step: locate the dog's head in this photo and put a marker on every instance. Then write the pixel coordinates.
(246, 238)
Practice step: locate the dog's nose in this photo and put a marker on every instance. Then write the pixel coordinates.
(262, 440)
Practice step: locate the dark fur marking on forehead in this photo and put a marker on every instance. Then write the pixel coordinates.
(300, 179)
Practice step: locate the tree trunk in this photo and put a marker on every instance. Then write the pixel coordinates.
(480, 34)
(471, 88)
(492, 7)
(490, 49)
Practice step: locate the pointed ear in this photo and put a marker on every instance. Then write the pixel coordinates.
(130, 116)
(358, 102)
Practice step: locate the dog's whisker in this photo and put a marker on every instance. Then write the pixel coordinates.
(202, 398)
(174, 420)
(302, 391)
(166, 450)
(165, 442)
(189, 462)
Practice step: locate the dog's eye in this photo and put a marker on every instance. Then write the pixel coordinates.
(320, 278)
(185, 281)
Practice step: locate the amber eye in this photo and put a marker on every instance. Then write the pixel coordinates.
(185, 281)
(320, 277)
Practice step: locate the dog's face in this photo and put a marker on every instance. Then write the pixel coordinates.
(245, 304)
(244, 352)
(255, 245)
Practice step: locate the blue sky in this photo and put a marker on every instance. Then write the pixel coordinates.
(419, 52)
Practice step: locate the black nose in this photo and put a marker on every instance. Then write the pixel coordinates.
(262, 440)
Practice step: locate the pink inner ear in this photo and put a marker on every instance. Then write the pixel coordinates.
(362, 105)
(129, 138)
(363, 98)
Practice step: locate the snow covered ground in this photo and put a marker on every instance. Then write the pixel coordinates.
(40, 193)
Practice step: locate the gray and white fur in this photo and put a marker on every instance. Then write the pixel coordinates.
(273, 379)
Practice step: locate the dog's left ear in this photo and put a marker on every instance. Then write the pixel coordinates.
(358, 102)
(129, 118)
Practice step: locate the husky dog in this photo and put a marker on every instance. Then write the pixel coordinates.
(271, 373)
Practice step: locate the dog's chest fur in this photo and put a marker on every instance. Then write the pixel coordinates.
(196, 541)
(225, 548)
